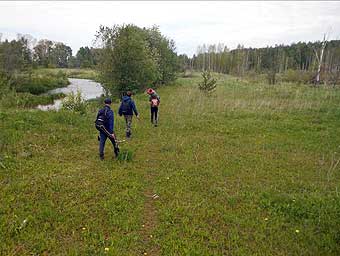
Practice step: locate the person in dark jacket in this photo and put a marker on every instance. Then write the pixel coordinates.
(127, 108)
(106, 113)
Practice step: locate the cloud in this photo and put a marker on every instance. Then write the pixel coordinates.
(255, 24)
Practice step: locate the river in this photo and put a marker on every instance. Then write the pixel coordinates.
(89, 90)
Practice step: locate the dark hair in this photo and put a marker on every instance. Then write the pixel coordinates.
(107, 101)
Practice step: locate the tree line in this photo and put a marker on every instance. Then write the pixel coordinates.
(26, 53)
(295, 60)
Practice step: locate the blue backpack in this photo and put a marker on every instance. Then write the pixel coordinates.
(126, 107)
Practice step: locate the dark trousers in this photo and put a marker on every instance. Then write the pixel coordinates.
(102, 141)
(154, 115)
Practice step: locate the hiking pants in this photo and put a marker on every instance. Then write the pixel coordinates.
(102, 141)
(154, 115)
(128, 121)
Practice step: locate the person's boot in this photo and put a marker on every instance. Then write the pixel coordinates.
(128, 135)
(116, 151)
(101, 156)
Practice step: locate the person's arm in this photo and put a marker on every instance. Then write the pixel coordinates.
(111, 121)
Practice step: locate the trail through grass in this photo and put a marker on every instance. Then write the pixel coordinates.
(251, 170)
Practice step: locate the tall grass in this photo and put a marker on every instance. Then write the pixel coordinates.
(37, 83)
(251, 170)
(70, 72)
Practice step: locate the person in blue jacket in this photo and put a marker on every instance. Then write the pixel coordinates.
(106, 117)
(127, 108)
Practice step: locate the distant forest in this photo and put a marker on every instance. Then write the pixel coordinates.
(312, 62)
(298, 61)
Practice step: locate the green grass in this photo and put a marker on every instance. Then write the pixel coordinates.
(70, 72)
(38, 83)
(251, 170)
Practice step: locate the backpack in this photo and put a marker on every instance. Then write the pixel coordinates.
(126, 106)
(101, 118)
(154, 102)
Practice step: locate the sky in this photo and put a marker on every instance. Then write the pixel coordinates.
(188, 23)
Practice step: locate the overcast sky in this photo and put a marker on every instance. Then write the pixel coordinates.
(189, 24)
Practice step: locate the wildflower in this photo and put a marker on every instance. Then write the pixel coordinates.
(265, 219)
(107, 249)
(145, 253)
(84, 228)
(150, 236)
(297, 231)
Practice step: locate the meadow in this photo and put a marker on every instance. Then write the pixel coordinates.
(252, 169)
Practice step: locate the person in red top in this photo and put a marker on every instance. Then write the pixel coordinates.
(154, 100)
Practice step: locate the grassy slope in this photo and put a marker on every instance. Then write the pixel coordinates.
(237, 173)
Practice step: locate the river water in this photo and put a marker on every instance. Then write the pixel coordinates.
(88, 88)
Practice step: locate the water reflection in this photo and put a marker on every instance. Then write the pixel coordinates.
(89, 90)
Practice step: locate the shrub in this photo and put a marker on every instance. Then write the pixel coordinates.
(208, 85)
(297, 76)
(75, 102)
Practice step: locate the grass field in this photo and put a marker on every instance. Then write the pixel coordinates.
(251, 170)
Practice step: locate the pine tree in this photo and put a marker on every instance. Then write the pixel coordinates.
(208, 85)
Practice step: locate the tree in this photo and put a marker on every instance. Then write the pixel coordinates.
(60, 55)
(133, 58)
(163, 50)
(55, 54)
(208, 85)
(319, 57)
(14, 56)
(84, 57)
(42, 52)
(127, 62)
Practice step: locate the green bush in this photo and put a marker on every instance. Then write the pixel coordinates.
(208, 85)
(75, 102)
(297, 76)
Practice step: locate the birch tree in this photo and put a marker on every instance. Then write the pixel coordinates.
(319, 57)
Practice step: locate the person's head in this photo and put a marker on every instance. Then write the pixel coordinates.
(150, 91)
(107, 101)
(129, 93)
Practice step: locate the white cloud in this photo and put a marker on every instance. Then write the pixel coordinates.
(255, 24)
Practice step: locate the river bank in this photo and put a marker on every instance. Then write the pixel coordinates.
(88, 89)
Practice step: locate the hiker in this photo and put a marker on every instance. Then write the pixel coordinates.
(154, 100)
(105, 124)
(127, 108)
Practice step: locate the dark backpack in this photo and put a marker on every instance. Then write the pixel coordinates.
(102, 119)
(126, 107)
